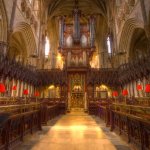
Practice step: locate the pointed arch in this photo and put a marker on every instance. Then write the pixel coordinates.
(127, 33)
(22, 40)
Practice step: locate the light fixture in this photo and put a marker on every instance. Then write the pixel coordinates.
(51, 87)
(125, 92)
(139, 87)
(36, 94)
(147, 88)
(2, 88)
(14, 88)
(115, 93)
(25, 92)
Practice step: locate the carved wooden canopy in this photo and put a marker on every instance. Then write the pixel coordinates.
(39, 78)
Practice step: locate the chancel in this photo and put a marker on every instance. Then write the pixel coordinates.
(75, 74)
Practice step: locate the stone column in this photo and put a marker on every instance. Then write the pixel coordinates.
(13, 14)
(146, 21)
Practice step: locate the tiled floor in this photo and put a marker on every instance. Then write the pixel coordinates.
(74, 131)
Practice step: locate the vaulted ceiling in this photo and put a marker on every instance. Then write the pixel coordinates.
(65, 7)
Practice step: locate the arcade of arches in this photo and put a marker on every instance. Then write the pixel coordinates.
(75, 74)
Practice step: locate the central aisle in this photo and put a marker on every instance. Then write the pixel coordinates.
(74, 131)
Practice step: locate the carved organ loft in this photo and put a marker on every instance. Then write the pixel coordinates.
(76, 45)
(74, 59)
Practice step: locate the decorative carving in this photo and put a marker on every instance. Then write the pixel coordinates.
(126, 8)
(23, 5)
(28, 13)
(35, 26)
(32, 20)
(131, 2)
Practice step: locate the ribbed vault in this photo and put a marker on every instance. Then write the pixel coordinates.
(61, 7)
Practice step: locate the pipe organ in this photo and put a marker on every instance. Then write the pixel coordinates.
(92, 31)
(77, 38)
(61, 31)
(76, 21)
(76, 45)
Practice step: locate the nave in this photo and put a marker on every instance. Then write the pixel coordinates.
(74, 131)
(58, 56)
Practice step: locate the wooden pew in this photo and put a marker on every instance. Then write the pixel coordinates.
(25, 119)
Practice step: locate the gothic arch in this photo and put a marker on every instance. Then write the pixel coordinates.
(127, 33)
(138, 45)
(3, 22)
(22, 41)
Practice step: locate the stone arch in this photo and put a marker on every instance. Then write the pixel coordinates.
(138, 45)
(127, 33)
(3, 23)
(22, 41)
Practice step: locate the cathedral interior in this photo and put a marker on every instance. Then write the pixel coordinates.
(75, 74)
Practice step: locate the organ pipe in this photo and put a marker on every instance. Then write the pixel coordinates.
(61, 31)
(92, 31)
(76, 25)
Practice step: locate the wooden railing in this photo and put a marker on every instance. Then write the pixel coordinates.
(17, 126)
(136, 130)
(16, 121)
(132, 122)
(18, 109)
(133, 110)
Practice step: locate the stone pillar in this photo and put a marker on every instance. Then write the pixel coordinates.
(13, 14)
(146, 21)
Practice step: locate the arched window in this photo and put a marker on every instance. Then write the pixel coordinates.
(47, 47)
(109, 45)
